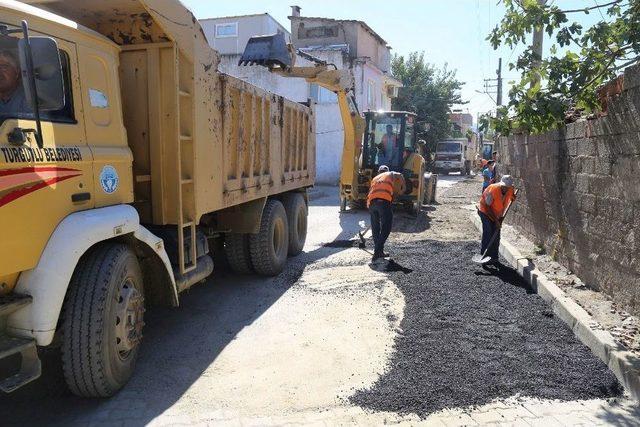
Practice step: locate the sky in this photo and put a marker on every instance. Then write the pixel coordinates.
(450, 32)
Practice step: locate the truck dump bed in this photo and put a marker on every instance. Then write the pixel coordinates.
(202, 141)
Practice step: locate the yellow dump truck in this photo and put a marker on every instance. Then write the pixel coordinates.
(124, 156)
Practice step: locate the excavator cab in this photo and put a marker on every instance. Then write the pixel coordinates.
(390, 139)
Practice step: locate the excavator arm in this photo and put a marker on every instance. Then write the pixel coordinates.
(279, 57)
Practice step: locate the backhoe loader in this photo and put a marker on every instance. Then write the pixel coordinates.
(370, 139)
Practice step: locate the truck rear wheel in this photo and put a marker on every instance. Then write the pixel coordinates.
(296, 209)
(102, 321)
(269, 248)
(236, 246)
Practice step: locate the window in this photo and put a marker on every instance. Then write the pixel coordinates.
(449, 147)
(63, 115)
(409, 134)
(384, 133)
(317, 32)
(227, 30)
(322, 95)
(371, 97)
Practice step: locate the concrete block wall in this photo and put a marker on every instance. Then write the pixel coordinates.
(580, 194)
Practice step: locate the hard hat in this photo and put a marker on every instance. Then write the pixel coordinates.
(383, 168)
(506, 181)
(484, 162)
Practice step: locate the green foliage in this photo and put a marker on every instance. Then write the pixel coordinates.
(551, 86)
(427, 91)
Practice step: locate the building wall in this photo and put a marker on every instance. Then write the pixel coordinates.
(248, 26)
(329, 143)
(293, 89)
(370, 47)
(366, 74)
(580, 194)
(329, 127)
(315, 32)
(306, 32)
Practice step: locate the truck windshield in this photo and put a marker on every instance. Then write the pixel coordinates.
(487, 150)
(448, 147)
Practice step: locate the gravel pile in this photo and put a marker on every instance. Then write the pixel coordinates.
(470, 336)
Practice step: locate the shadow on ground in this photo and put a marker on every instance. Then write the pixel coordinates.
(210, 316)
(472, 335)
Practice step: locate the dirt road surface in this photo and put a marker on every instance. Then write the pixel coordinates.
(332, 341)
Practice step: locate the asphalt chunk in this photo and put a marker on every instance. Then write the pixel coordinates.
(472, 335)
(341, 243)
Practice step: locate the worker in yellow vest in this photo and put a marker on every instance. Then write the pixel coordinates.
(493, 204)
(383, 187)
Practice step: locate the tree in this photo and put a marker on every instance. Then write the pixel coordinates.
(581, 59)
(427, 91)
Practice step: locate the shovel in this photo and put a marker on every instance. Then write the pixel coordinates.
(361, 233)
(483, 258)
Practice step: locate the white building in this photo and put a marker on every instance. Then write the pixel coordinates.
(352, 45)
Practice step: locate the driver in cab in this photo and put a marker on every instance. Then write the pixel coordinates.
(12, 99)
(389, 153)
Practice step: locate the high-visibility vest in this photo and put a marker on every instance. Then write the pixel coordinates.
(499, 202)
(384, 185)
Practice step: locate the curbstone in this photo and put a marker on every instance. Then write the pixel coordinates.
(624, 364)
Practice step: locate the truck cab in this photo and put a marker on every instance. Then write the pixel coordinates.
(450, 156)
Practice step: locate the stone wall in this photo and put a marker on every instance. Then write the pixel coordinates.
(580, 194)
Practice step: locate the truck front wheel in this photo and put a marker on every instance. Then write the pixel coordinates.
(270, 246)
(102, 321)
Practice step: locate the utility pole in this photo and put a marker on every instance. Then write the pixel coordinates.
(538, 34)
(499, 88)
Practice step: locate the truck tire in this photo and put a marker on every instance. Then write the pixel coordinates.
(236, 247)
(269, 248)
(102, 321)
(296, 209)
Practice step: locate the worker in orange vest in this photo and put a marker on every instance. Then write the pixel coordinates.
(383, 187)
(493, 204)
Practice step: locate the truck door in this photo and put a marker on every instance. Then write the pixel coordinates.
(106, 135)
(40, 186)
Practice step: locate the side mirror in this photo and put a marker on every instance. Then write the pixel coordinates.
(47, 70)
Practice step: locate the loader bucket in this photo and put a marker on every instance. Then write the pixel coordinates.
(270, 51)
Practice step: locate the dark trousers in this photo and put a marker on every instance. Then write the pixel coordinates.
(488, 228)
(381, 220)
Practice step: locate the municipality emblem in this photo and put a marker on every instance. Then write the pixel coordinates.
(109, 179)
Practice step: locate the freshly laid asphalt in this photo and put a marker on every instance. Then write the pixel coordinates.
(471, 335)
